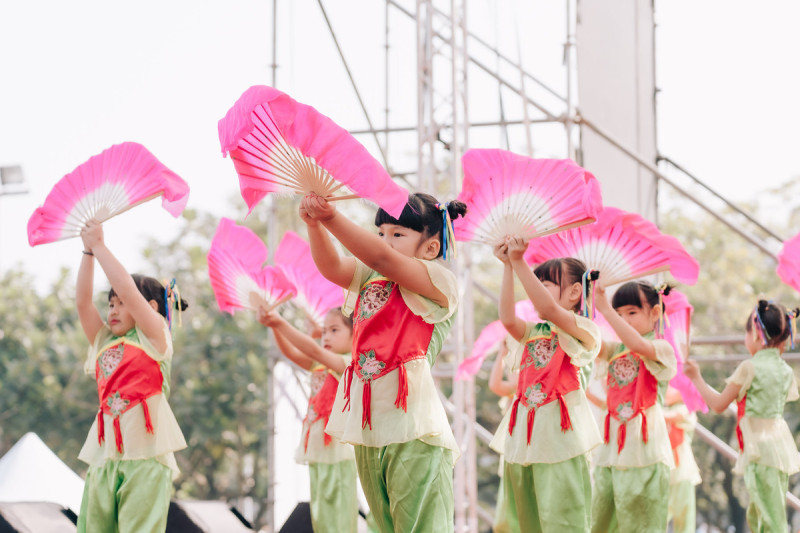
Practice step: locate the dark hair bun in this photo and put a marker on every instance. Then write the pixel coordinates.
(182, 305)
(594, 275)
(456, 209)
(762, 305)
(667, 290)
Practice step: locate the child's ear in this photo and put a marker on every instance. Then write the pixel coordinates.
(574, 293)
(154, 305)
(431, 248)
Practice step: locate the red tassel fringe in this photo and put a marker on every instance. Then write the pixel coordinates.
(621, 433)
(148, 423)
(566, 422)
(101, 427)
(531, 416)
(644, 428)
(740, 437)
(117, 434)
(513, 418)
(348, 379)
(402, 388)
(607, 434)
(366, 401)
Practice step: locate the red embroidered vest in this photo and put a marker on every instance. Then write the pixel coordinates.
(386, 335)
(126, 376)
(631, 390)
(546, 374)
(320, 403)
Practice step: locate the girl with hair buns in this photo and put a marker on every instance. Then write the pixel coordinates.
(403, 300)
(131, 443)
(632, 467)
(549, 429)
(761, 387)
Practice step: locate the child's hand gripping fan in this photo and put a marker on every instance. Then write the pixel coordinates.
(237, 274)
(789, 262)
(510, 194)
(622, 246)
(279, 145)
(315, 294)
(106, 185)
(490, 338)
(677, 333)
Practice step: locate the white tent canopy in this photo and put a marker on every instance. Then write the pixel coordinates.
(31, 472)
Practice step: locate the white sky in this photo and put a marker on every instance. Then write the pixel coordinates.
(77, 77)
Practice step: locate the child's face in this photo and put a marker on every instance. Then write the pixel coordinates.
(567, 297)
(752, 340)
(120, 321)
(407, 241)
(336, 336)
(642, 319)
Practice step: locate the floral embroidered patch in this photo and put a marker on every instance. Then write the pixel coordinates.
(110, 359)
(317, 381)
(625, 411)
(369, 366)
(117, 404)
(372, 298)
(623, 370)
(534, 396)
(541, 351)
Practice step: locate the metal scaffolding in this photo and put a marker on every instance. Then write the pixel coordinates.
(447, 54)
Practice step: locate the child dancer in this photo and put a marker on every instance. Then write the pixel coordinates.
(331, 464)
(550, 426)
(131, 443)
(387, 405)
(504, 387)
(761, 386)
(632, 467)
(685, 476)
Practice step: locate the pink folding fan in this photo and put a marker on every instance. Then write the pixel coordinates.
(106, 185)
(315, 294)
(509, 194)
(237, 274)
(490, 338)
(789, 262)
(621, 245)
(678, 334)
(280, 145)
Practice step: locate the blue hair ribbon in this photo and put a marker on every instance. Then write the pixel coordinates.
(448, 236)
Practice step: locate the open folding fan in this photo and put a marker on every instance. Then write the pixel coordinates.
(509, 194)
(621, 245)
(677, 333)
(315, 294)
(237, 274)
(789, 262)
(490, 338)
(280, 145)
(106, 185)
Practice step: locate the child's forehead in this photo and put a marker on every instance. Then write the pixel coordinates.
(386, 228)
(629, 308)
(333, 318)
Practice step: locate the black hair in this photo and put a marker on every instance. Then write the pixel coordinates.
(422, 214)
(347, 319)
(152, 289)
(638, 293)
(776, 320)
(563, 272)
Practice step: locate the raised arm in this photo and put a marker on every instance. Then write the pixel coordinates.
(626, 333)
(334, 267)
(514, 325)
(498, 385)
(303, 345)
(146, 315)
(546, 306)
(717, 401)
(373, 251)
(90, 318)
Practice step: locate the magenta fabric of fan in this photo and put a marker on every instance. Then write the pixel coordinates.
(315, 294)
(255, 129)
(507, 193)
(236, 269)
(789, 262)
(106, 185)
(621, 245)
(677, 333)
